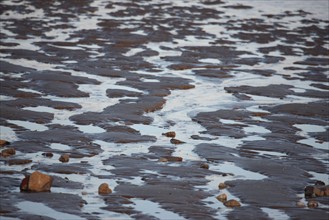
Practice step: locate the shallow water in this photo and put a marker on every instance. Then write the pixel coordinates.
(180, 59)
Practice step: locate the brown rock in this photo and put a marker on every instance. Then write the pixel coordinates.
(176, 141)
(312, 204)
(222, 197)
(8, 152)
(47, 154)
(204, 166)
(4, 143)
(232, 203)
(222, 185)
(171, 134)
(64, 158)
(36, 182)
(163, 159)
(104, 189)
(173, 159)
(326, 192)
(318, 190)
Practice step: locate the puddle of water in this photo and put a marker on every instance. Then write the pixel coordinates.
(315, 143)
(6, 98)
(239, 173)
(67, 47)
(324, 177)
(306, 128)
(112, 149)
(210, 60)
(230, 122)
(186, 152)
(148, 129)
(29, 125)
(276, 214)
(58, 146)
(212, 187)
(154, 209)
(40, 209)
(149, 80)
(29, 90)
(271, 153)
(133, 52)
(256, 129)
(90, 129)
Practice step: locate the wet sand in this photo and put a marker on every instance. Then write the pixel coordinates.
(244, 85)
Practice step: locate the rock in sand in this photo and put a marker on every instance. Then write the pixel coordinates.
(222, 197)
(4, 143)
(104, 189)
(64, 158)
(204, 166)
(176, 141)
(312, 204)
(232, 203)
(8, 152)
(171, 134)
(36, 182)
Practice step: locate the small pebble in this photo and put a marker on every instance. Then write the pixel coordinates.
(204, 166)
(173, 159)
(104, 189)
(312, 204)
(4, 143)
(64, 158)
(171, 134)
(8, 152)
(232, 203)
(47, 154)
(222, 185)
(176, 141)
(222, 197)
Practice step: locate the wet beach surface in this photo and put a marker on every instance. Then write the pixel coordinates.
(244, 85)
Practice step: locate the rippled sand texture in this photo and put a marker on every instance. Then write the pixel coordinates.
(244, 84)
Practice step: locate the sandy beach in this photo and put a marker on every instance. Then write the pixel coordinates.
(200, 109)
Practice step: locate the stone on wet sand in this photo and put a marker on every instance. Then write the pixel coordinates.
(64, 158)
(8, 152)
(232, 203)
(312, 204)
(163, 159)
(222, 185)
(4, 143)
(222, 197)
(104, 189)
(318, 190)
(176, 141)
(171, 159)
(47, 154)
(36, 182)
(204, 166)
(171, 134)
